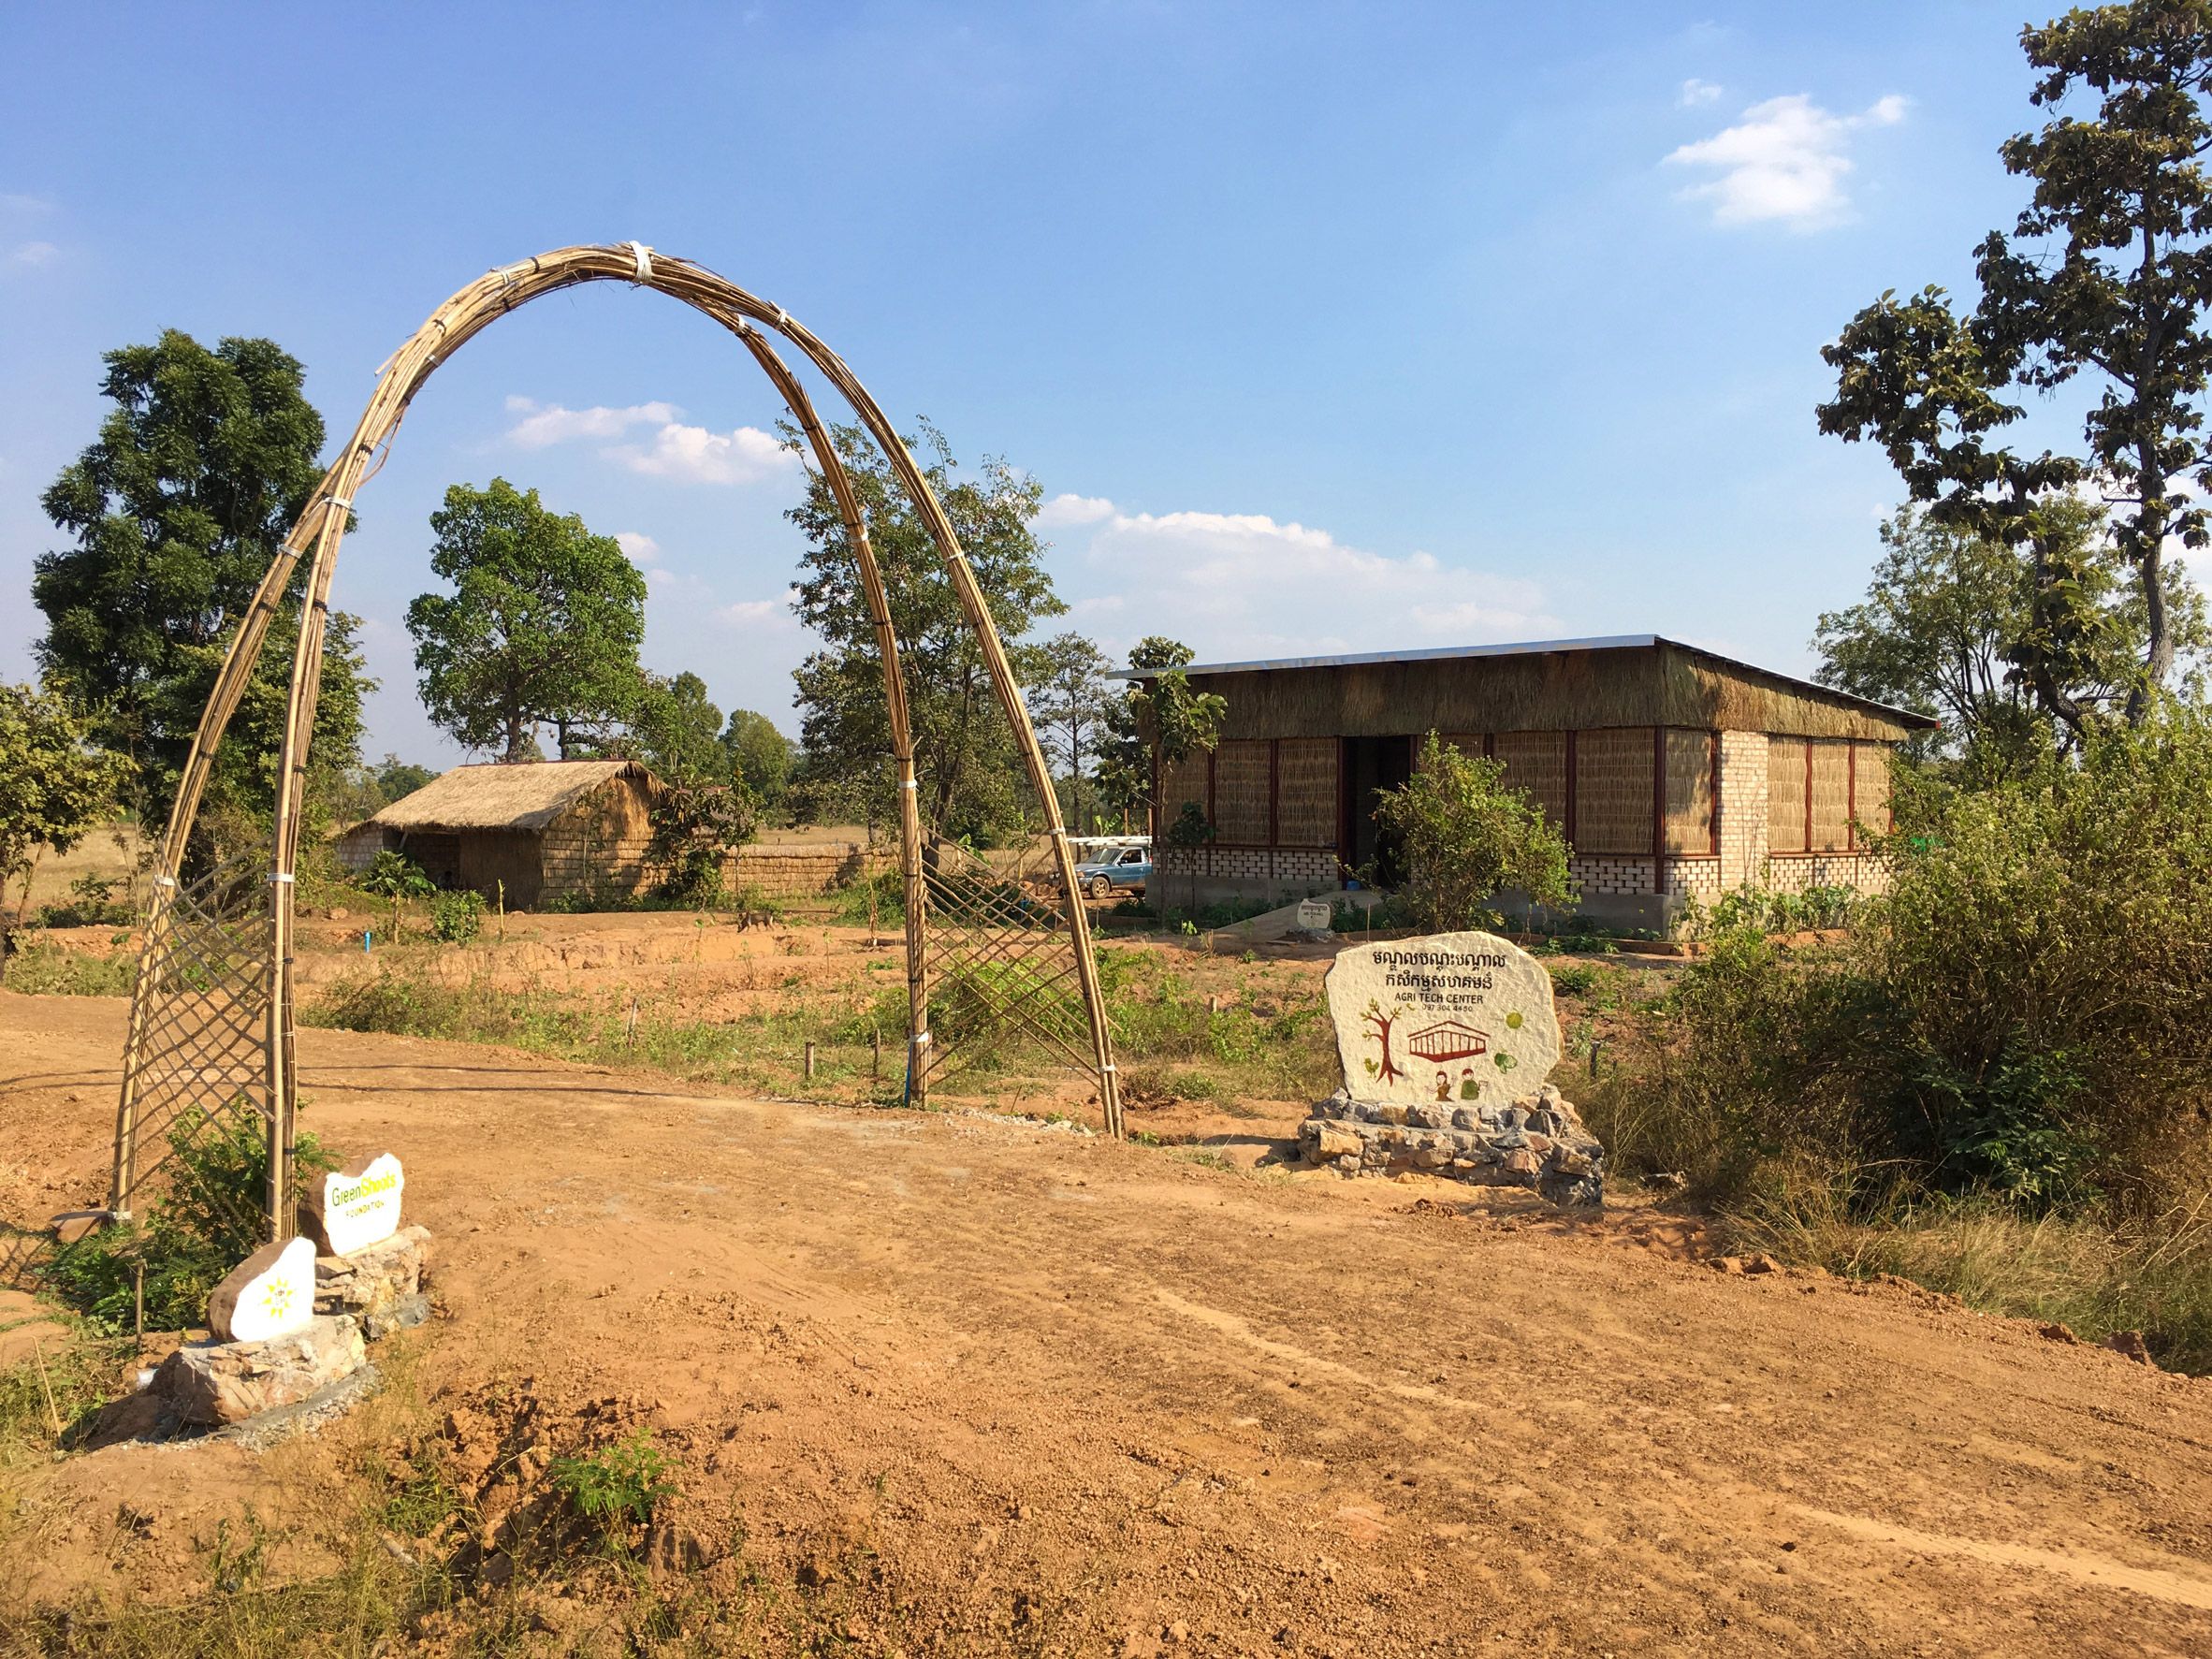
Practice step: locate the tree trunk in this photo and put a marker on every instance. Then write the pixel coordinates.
(2157, 654)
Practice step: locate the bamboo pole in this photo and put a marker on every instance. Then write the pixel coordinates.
(468, 311)
(895, 695)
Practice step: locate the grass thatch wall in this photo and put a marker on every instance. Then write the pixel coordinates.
(1690, 827)
(1243, 815)
(1305, 792)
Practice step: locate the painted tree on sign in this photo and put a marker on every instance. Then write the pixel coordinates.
(1388, 1068)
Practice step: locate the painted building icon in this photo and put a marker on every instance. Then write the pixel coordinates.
(1447, 1040)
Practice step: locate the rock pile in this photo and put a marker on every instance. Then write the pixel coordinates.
(212, 1383)
(380, 1285)
(1536, 1142)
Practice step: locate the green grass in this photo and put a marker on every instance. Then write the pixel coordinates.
(2154, 1276)
(41, 969)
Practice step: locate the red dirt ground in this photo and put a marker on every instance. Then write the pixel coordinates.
(993, 1387)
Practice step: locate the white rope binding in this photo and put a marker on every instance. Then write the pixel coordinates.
(644, 256)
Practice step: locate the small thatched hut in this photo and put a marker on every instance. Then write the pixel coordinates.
(1674, 771)
(539, 828)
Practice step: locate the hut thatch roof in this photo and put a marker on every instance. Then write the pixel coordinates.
(525, 796)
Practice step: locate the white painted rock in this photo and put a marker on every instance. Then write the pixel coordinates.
(351, 1208)
(1313, 914)
(270, 1293)
(1452, 1019)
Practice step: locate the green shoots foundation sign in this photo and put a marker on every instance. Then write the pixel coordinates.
(1451, 1019)
(357, 1207)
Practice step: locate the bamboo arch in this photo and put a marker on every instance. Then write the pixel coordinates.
(172, 946)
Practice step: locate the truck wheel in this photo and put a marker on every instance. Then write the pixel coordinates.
(1100, 887)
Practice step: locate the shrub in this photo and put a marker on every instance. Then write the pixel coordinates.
(211, 1218)
(2020, 1016)
(1464, 838)
(456, 917)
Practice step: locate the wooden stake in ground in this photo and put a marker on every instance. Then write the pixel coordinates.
(53, 1417)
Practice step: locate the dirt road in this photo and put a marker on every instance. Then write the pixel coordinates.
(1054, 1394)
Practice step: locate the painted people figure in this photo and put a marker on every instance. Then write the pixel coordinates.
(1443, 1086)
(1469, 1089)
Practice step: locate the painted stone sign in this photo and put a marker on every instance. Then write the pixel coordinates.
(1313, 915)
(270, 1293)
(1454, 1018)
(353, 1208)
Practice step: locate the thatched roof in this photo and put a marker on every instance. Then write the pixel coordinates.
(1639, 679)
(526, 796)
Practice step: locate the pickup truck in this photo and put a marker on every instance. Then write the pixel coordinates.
(1117, 870)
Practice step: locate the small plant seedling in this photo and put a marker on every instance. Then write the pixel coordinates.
(618, 1483)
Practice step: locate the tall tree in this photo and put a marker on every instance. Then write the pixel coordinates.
(54, 786)
(1941, 629)
(177, 508)
(760, 755)
(1067, 702)
(543, 626)
(970, 770)
(1132, 725)
(676, 731)
(2107, 277)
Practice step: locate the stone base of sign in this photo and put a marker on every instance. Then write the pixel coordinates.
(212, 1384)
(377, 1281)
(1537, 1141)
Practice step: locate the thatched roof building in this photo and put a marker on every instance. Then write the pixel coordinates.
(1674, 771)
(532, 829)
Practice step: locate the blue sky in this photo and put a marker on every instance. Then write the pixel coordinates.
(1324, 328)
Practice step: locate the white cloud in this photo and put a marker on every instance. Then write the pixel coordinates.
(34, 253)
(1695, 92)
(545, 424)
(693, 455)
(689, 453)
(642, 550)
(1784, 160)
(767, 615)
(1064, 509)
(1245, 585)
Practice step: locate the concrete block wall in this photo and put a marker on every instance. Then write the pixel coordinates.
(1743, 809)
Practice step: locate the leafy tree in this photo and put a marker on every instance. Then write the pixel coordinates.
(54, 787)
(396, 878)
(696, 826)
(397, 779)
(359, 791)
(1464, 838)
(1124, 775)
(543, 626)
(1180, 719)
(1940, 630)
(177, 508)
(969, 769)
(760, 756)
(1068, 702)
(2109, 278)
(676, 731)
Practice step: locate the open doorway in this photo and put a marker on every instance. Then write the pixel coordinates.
(1371, 764)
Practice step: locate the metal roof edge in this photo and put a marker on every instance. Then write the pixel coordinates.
(1612, 642)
